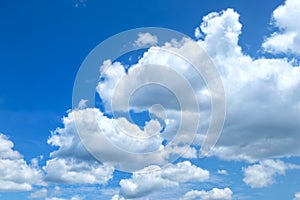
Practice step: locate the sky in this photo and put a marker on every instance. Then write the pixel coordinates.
(142, 132)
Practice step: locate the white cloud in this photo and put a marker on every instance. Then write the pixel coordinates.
(197, 33)
(180, 101)
(39, 194)
(59, 198)
(71, 163)
(221, 41)
(287, 38)
(263, 174)
(15, 173)
(222, 171)
(88, 122)
(174, 72)
(185, 171)
(297, 196)
(214, 194)
(112, 73)
(221, 32)
(55, 198)
(153, 178)
(104, 137)
(145, 40)
(76, 198)
(75, 171)
(70, 192)
(258, 91)
(82, 103)
(117, 197)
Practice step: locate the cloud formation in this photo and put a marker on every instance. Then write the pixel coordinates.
(145, 39)
(15, 173)
(214, 194)
(153, 178)
(71, 163)
(286, 39)
(76, 171)
(263, 174)
(39, 194)
(258, 91)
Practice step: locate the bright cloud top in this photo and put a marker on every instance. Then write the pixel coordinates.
(287, 38)
(258, 91)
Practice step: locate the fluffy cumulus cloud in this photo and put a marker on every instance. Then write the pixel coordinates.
(185, 88)
(15, 173)
(174, 73)
(75, 171)
(258, 91)
(221, 29)
(145, 39)
(115, 142)
(264, 173)
(154, 178)
(71, 163)
(214, 194)
(287, 38)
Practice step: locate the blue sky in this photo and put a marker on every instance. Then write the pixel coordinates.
(254, 46)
